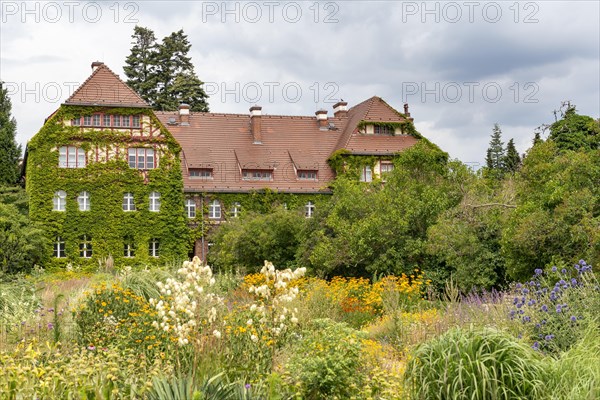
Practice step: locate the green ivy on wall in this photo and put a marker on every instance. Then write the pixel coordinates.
(106, 182)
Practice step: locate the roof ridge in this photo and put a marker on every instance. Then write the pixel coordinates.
(96, 71)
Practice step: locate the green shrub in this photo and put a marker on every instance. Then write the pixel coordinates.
(326, 362)
(475, 364)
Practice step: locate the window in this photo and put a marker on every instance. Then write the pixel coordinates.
(125, 119)
(365, 174)
(307, 175)
(59, 202)
(87, 120)
(384, 130)
(128, 203)
(214, 210)
(84, 201)
(106, 120)
(309, 209)
(385, 169)
(155, 202)
(96, 119)
(136, 121)
(235, 209)
(128, 247)
(116, 120)
(257, 175)
(153, 247)
(71, 157)
(201, 173)
(190, 208)
(85, 246)
(59, 247)
(76, 121)
(141, 158)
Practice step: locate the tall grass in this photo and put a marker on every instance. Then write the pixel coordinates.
(476, 364)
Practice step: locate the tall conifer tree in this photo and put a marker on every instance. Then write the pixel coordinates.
(10, 151)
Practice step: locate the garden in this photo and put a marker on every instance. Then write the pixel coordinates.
(184, 332)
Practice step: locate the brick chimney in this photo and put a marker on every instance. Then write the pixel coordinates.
(406, 110)
(339, 109)
(184, 115)
(256, 123)
(322, 119)
(96, 64)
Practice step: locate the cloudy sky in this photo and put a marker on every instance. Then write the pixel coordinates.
(462, 66)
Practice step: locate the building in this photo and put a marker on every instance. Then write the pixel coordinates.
(108, 175)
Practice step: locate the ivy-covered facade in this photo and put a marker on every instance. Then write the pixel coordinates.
(108, 176)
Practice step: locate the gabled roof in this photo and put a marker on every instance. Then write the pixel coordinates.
(105, 88)
(374, 109)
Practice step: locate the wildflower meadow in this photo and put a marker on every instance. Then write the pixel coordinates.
(187, 332)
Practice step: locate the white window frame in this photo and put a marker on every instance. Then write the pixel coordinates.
(71, 157)
(141, 158)
(59, 247)
(236, 208)
(154, 203)
(307, 175)
(201, 173)
(257, 175)
(309, 209)
(128, 247)
(87, 120)
(136, 121)
(154, 247)
(84, 201)
(366, 174)
(214, 210)
(116, 118)
(190, 208)
(85, 246)
(59, 202)
(128, 202)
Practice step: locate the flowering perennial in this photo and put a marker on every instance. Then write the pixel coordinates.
(186, 304)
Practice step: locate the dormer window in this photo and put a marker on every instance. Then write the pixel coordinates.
(384, 130)
(307, 175)
(257, 175)
(201, 173)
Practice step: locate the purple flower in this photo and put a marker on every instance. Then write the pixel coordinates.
(573, 318)
(538, 271)
(545, 308)
(525, 291)
(549, 337)
(563, 271)
(526, 319)
(50, 325)
(558, 308)
(554, 268)
(518, 286)
(247, 386)
(536, 346)
(573, 281)
(91, 348)
(51, 310)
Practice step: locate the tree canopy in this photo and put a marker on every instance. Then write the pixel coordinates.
(163, 73)
(10, 151)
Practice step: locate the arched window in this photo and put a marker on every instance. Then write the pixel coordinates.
(155, 202)
(59, 202)
(84, 201)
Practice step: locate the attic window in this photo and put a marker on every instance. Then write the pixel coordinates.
(307, 175)
(201, 173)
(257, 175)
(384, 130)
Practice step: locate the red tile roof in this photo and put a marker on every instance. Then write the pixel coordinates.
(105, 88)
(224, 143)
